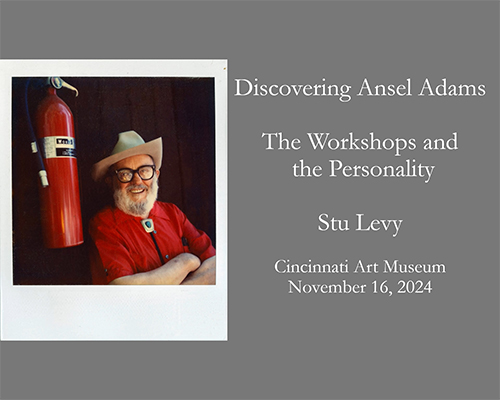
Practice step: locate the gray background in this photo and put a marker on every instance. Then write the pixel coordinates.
(442, 345)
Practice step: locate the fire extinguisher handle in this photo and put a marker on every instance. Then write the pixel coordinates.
(58, 83)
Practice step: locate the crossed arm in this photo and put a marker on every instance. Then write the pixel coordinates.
(185, 269)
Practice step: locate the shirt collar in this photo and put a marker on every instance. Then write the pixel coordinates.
(156, 212)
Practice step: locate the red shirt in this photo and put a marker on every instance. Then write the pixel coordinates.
(125, 248)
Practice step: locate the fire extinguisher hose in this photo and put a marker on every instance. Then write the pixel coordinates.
(42, 173)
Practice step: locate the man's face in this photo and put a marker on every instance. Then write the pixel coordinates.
(136, 197)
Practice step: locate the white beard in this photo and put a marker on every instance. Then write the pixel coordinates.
(137, 208)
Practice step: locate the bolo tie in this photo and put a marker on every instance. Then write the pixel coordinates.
(149, 227)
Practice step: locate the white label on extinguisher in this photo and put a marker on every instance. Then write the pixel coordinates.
(59, 146)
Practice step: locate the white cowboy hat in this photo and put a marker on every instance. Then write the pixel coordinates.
(129, 144)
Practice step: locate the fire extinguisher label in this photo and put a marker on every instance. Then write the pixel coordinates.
(59, 146)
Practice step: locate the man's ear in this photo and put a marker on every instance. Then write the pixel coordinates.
(109, 178)
(157, 173)
(109, 181)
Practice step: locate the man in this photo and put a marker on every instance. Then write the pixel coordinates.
(140, 240)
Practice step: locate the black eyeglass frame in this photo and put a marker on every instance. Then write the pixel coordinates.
(135, 171)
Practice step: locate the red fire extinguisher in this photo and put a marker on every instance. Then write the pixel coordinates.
(59, 189)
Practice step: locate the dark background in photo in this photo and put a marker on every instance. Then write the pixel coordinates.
(180, 110)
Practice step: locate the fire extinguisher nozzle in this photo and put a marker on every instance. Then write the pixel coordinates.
(43, 178)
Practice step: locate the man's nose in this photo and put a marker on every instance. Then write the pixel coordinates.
(136, 179)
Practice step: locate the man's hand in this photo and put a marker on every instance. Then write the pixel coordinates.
(204, 275)
(171, 273)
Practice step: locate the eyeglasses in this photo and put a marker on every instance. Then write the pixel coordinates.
(145, 172)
